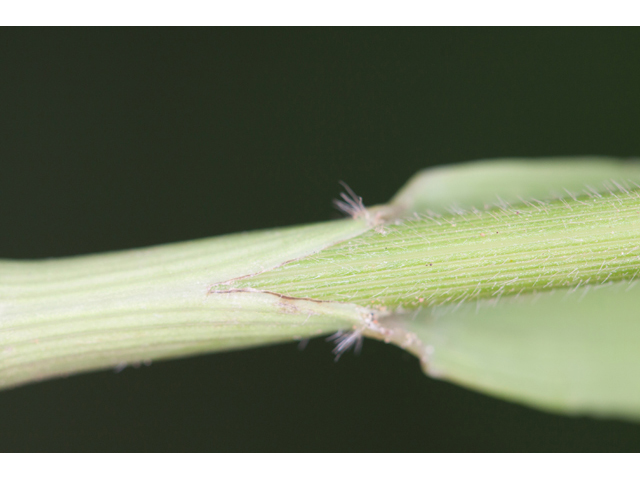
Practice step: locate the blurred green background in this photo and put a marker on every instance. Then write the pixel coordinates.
(122, 138)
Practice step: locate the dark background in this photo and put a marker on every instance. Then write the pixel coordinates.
(121, 138)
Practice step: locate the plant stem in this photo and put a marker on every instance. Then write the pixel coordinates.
(507, 298)
(69, 315)
(471, 255)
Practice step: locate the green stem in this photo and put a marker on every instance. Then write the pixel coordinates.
(68, 315)
(506, 299)
(471, 255)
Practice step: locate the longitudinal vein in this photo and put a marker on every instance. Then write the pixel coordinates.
(508, 250)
